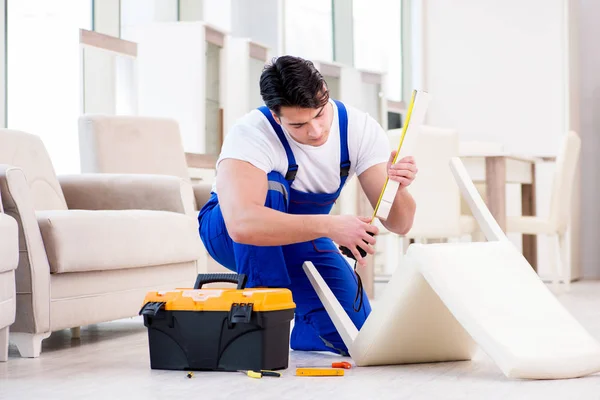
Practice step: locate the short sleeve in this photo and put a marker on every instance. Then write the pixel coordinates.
(247, 143)
(373, 147)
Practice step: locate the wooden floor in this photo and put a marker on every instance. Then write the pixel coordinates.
(110, 361)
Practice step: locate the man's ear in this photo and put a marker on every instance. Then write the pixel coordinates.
(275, 117)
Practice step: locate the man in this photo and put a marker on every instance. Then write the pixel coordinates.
(280, 170)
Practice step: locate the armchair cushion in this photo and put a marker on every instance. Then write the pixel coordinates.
(125, 192)
(84, 240)
(202, 193)
(9, 243)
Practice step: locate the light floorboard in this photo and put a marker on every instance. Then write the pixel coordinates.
(110, 361)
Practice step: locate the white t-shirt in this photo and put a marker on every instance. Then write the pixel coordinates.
(252, 139)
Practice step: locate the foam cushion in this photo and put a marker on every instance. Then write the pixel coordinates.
(493, 292)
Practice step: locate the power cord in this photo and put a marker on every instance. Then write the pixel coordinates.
(359, 291)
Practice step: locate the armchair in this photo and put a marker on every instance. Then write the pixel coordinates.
(9, 257)
(142, 145)
(91, 246)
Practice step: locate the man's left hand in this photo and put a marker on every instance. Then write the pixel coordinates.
(403, 171)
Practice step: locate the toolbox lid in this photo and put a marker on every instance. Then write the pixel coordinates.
(222, 299)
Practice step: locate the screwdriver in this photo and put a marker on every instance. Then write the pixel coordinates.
(343, 364)
(260, 374)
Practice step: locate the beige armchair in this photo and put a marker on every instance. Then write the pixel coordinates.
(91, 246)
(141, 145)
(9, 258)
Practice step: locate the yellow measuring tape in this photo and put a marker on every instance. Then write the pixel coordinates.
(404, 128)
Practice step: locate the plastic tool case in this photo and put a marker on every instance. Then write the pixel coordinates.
(222, 329)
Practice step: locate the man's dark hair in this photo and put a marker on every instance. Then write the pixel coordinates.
(292, 82)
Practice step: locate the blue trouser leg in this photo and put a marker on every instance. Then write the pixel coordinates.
(281, 266)
(313, 329)
(263, 265)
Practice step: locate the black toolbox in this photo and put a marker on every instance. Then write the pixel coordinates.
(219, 329)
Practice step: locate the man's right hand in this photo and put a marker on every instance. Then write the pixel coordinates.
(350, 231)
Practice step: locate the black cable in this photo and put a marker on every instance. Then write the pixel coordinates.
(359, 291)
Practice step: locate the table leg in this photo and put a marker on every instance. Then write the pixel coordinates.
(528, 208)
(495, 175)
(367, 273)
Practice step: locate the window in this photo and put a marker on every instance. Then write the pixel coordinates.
(140, 12)
(308, 29)
(378, 41)
(44, 73)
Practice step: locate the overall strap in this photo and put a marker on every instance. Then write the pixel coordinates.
(292, 166)
(344, 155)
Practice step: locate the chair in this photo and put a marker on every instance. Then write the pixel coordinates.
(112, 144)
(557, 222)
(91, 246)
(9, 258)
(438, 214)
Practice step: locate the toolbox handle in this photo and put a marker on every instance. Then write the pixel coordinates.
(240, 279)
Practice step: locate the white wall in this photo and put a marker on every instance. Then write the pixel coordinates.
(377, 41)
(140, 12)
(260, 20)
(308, 29)
(2, 64)
(588, 31)
(499, 71)
(45, 74)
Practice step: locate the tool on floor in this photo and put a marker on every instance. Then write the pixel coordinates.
(190, 375)
(319, 372)
(343, 365)
(260, 374)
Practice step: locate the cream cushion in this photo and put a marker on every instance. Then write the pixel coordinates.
(84, 240)
(497, 297)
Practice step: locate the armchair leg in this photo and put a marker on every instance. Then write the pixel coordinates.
(29, 344)
(76, 332)
(4, 344)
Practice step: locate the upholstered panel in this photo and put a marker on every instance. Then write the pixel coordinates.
(500, 301)
(82, 240)
(32, 275)
(131, 144)
(86, 298)
(9, 246)
(435, 192)
(27, 152)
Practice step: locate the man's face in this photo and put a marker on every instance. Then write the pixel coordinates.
(309, 126)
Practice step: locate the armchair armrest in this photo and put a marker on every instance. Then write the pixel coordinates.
(126, 192)
(201, 193)
(33, 273)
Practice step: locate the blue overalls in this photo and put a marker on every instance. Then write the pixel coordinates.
(281, 266)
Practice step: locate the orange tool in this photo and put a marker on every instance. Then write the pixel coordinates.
(319, 372)
(343, 365)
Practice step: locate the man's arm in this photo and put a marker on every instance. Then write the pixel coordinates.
(242, 190)
(402, 213)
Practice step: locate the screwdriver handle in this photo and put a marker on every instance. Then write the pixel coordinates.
(343, 364)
